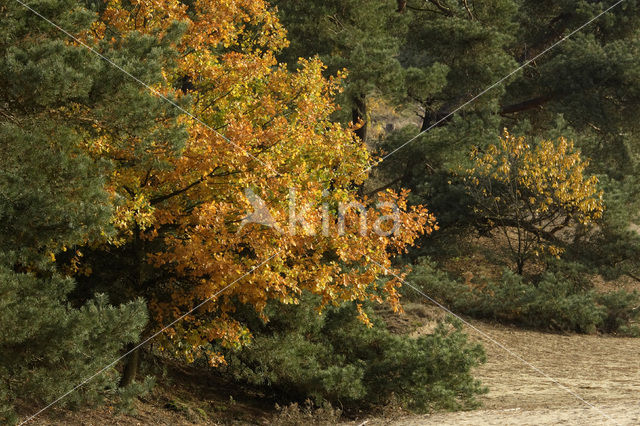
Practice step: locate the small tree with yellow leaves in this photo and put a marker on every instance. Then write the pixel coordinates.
(535, 196)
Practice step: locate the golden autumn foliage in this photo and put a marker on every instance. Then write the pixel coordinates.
(258, 126)
(535, 196)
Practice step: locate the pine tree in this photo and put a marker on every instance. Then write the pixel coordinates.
(362, 36)
(56, 98)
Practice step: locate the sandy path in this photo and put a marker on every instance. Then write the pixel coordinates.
(605, 371)
(623, 414)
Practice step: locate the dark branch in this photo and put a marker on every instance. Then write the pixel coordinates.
(526, 105)
(386, 186)
(540, 233)
(442, 8)
(165, 197)
(466, 6)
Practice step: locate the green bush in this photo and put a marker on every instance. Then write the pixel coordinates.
(553, 303)
(435, 283)
(333, 357)
(47, 347)
(558, 300)
(550, 304)
(622, 312)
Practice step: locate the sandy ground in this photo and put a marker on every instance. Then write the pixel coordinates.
(623, 414)
(604, 371)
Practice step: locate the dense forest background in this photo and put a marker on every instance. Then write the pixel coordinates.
(500, 135)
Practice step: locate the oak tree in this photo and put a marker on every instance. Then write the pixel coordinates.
(250, 123)
(536, 196)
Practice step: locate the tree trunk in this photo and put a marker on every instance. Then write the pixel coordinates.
(132, 361)
(131, 367)
(525, 105)
(435, 119)
(427, 121)
(359, 113)
(520, 265)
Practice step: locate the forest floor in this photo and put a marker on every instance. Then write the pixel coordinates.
(602, 370)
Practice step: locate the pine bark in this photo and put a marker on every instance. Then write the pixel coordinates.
(132, 361)
(131, 366)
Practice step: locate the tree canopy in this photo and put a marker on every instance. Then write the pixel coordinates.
(178, 189)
